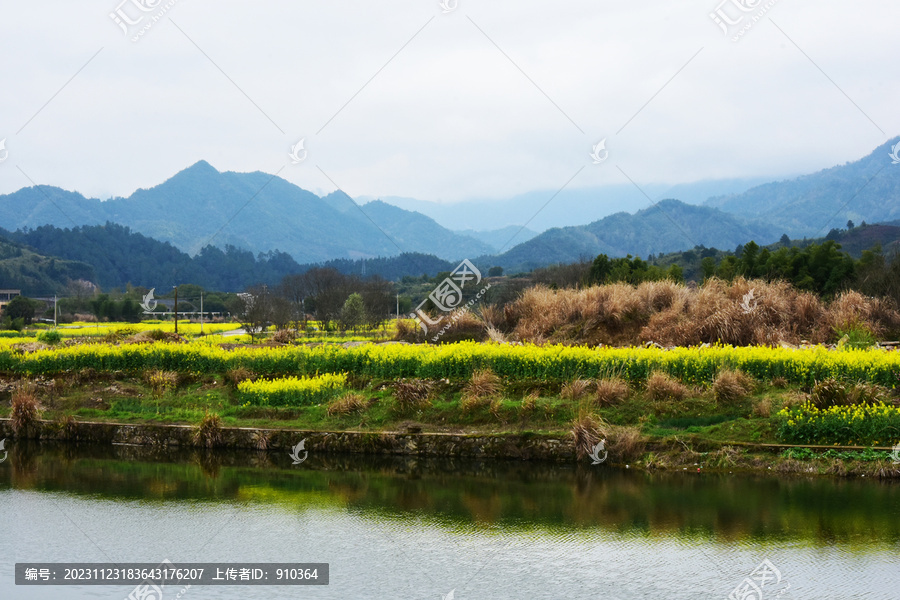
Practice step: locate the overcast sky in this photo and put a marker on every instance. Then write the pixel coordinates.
(398, 98)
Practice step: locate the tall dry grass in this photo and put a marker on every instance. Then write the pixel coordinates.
(25, 414)
(673, 314)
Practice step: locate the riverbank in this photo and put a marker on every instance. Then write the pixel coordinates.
(688, 453)
(746, 408)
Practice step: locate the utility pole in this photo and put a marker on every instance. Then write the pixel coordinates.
(398, 307)
(176, 309)
(55, 312)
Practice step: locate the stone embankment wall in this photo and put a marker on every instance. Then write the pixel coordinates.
(511, 446)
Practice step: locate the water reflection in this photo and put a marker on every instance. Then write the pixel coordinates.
(519, 495)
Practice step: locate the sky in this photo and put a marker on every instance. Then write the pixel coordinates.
(441, 103)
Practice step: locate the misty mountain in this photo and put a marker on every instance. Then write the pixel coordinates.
(255, 211)
(668, 226)
(501, 239)
(811, 205)
(570, 207)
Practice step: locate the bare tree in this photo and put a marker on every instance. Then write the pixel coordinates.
(254, 309)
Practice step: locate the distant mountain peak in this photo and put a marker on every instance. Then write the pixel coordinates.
(201, 166)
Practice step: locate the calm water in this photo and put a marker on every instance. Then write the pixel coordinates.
(420, 528)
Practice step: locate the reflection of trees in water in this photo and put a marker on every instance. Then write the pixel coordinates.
(485, 493)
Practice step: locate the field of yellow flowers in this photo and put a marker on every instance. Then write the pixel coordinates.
(291, 391)
(458, 361)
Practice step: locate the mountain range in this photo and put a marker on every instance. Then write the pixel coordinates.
(201, 210)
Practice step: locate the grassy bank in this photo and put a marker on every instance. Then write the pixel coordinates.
(708, 407)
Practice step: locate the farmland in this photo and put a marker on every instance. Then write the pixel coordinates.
(636, 398)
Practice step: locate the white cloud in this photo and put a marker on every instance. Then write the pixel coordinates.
(450, 117)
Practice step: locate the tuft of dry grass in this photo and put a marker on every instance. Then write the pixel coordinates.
(347, 404)
(161, 381)
(611, 391)
(239, 374)
(576, 390)
(662, 386)
(832, 392)
(483, 384)
(763, 408)
(497, 408)
(209, 433)
(261, 439)
(779, 382)
(586, 431)
(732, 386)
(529, 403)
(26, 411)
(414, 394)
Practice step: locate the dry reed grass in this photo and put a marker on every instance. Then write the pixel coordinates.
(347, 404)
(673, 314)
(209, 433)
(663, 387)
(611, 391)
(414, 394)
(26, 411)
(576, 390)
(731, 386)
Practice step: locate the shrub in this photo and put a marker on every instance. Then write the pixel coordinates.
(852, 336)
(284, 336)
(26, 411)
(50, 337)
(731, 386)
(662, 386)
(347, 404)
(611, 391)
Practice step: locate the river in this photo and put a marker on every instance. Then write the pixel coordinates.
(433, 529)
